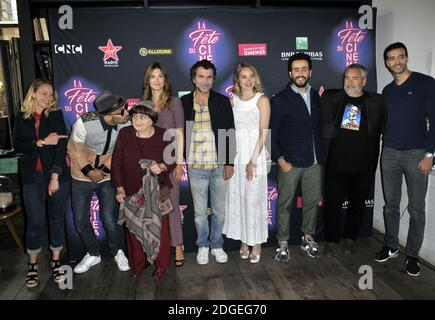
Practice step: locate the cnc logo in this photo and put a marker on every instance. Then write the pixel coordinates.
(68, 49)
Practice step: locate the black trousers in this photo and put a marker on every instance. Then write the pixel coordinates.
(339, 186)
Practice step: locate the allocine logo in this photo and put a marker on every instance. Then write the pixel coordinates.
(68, 49)
(145, 52)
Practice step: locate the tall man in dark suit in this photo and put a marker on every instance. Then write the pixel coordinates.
(352, 121)
(295, 127)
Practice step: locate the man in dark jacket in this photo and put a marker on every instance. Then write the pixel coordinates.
(210, 152)
(352, 121)
(295, 126)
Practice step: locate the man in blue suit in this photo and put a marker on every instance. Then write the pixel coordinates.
(296, 139)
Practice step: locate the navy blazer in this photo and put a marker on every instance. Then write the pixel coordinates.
(294, 129)
(332, 101)
(221, 117)
(53, 157)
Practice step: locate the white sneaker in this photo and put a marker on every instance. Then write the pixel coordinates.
(87, 262)
(202, 256)
(220, 255)
(121, 261)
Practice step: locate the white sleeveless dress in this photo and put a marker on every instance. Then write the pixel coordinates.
(246, 213)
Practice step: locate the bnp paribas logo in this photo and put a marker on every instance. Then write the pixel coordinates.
(301, 43)
(302, 47)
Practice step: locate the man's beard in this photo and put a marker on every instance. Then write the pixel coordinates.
(353, 92)
(303, 85)
(401, 70)
(203, 89)
(122, 121)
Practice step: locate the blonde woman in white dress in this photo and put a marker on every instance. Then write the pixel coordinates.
(246, 215)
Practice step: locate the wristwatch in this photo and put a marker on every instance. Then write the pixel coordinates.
(429, 155)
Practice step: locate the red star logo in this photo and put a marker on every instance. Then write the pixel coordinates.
(110, 50)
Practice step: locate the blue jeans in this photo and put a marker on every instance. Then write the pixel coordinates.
(200, 181)
(81, 201)
(36, 201)
(395, 164)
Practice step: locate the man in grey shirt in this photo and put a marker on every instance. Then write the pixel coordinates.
(90, 148)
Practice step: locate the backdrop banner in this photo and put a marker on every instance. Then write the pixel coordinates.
(109, 50)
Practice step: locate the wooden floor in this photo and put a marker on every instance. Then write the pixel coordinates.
(301, 278)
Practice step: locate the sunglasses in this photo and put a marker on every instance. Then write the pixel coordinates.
(124, 110)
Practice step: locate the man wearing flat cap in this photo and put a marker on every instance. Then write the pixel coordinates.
(90, 149)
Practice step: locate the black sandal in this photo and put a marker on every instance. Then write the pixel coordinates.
(57, 274)
(179, 262)
(32, 275)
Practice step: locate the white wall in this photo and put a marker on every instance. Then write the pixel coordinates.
(413, 23)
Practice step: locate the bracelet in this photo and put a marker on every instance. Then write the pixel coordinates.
(86, 169)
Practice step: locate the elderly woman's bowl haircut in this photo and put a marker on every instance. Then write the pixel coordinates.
(145, 107)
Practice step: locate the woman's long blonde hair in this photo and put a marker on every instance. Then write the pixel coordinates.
(165, 95)
(29, 104)
(236, 83)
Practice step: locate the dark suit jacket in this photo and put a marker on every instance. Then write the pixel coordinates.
(332, 100)
(294, 129)
(52, 156)
(221, 116)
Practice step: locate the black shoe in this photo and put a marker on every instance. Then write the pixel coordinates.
(412, 266)
(349, 246)
(386, 253)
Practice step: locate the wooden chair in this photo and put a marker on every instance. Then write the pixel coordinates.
(6, 218)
